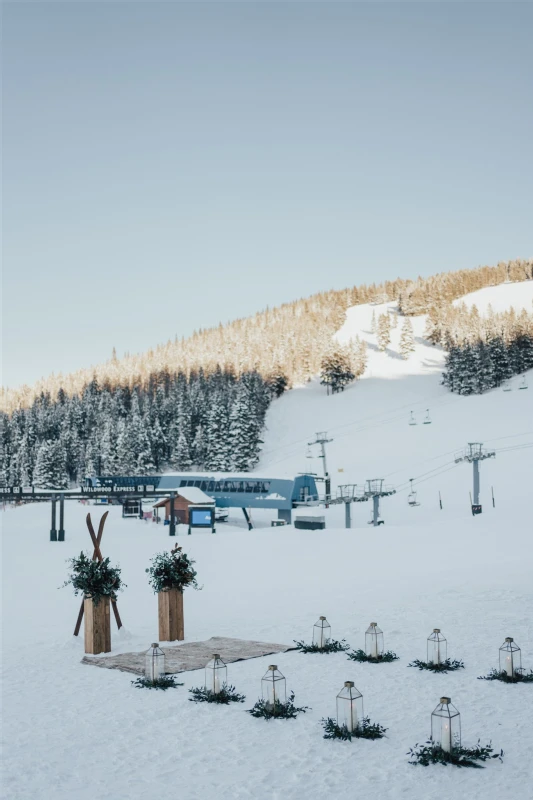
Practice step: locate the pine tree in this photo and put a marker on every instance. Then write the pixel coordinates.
(407, 339)
(336, 368)
(50, 466)
(383, 331)
(217, 455)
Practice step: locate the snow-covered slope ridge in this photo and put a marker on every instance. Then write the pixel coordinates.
(501, 298)
(369, 424)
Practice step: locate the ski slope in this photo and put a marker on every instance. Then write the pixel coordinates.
(371, 436)
(74, 731)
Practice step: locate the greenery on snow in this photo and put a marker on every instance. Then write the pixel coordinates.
(360, 655)
(366, 730)
(278, 710)
(172, 570)
(227, 695)
(165, 682)
(520, 676)
(444, 666)
(94, 579)
(329, 646)
(429, 753)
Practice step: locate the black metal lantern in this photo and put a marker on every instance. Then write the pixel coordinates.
(273, 687)
(437, 647)
(216, 674)
(349, 707)
(510, 657)
(446, 726)
(154, 663)
(321, 632)
(374, 641)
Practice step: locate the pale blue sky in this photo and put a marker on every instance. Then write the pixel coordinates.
(169, 165)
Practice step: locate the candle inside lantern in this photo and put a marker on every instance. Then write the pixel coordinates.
(509, 665)
(446, 736)
(374, 641)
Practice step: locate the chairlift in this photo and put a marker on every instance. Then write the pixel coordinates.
(427, 420)
(507, 387)
(523, 385)
(411, 497)
(309, 453)
(412, 420)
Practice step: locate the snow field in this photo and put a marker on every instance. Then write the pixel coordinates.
(72, 730)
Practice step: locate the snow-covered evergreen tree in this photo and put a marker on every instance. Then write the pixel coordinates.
(407, 339)
(50, 466)
(383, 331)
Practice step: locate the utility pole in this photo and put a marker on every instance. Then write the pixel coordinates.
(375, 489)
(322, 440)
(473, 454)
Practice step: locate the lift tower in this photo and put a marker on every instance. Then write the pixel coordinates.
(348, 493)
(375, 489)
(322, 440)
(473, 454)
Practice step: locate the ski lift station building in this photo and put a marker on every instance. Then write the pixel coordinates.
(228, 490)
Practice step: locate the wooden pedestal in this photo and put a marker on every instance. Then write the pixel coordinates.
(97, 626)
(171, 626)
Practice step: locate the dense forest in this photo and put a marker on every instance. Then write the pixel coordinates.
(211, 422)
(482, 352)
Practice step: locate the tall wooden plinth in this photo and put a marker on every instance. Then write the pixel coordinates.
(171, 626)
(97, 626)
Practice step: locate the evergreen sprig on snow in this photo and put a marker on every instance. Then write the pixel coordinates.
(360, 655)
(94, 579)
(444, 666)
(330, 646)
(277, 710)
(165, 682)
(227, 695)
(172, 570)
(520, 676)
(366, 730)
(429, 753)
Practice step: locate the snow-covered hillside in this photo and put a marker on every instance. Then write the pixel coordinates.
(369, 425)
(501, 298)
(74, 731)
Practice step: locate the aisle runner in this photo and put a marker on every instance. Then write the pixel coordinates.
(192, 655)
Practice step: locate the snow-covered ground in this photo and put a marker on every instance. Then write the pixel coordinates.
(74, 731)
(501, 298)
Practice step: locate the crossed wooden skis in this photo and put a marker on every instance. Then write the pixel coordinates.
(97, 555)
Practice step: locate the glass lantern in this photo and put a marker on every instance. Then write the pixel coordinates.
(321, 632)
(349, 706)
(216, 674)
(374, 641)
(154, 663)
(446, 726)
(273, 687)
(437, 647)
(510, 657)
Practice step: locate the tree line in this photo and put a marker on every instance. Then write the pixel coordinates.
(287, 343)
(203, 422)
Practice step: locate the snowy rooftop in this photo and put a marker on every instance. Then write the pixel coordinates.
(195, 495)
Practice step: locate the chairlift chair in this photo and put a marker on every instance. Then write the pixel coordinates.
(427, 420)
(411, 497)
(507, 386)
(412, 420)
(523, 385)
(309, 453)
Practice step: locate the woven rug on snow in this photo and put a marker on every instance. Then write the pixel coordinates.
(191, 655)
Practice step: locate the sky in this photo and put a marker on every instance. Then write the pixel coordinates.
(167, 166)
